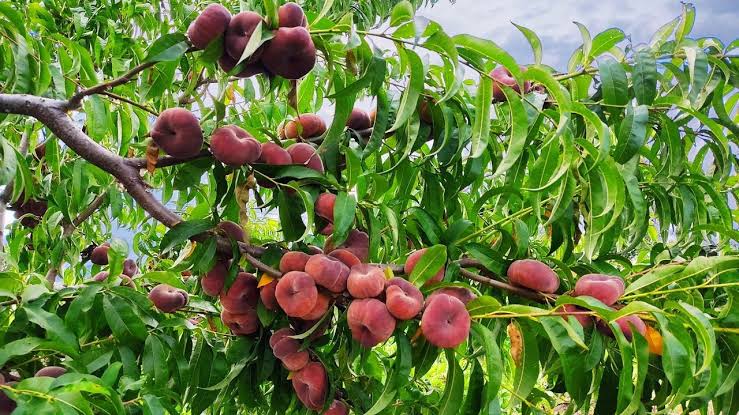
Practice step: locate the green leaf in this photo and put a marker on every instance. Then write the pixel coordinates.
(344, 210)
(402, 12)
(15, 17)
(429, 264)
(662, 273)
(412, 92)
(482, 306)
(123, 321)
(525, 374)
(534, 42)
(54, 326)
(183, 231)
(587, 41)
(19, 347)
(451, 399)
(644, 77)
(481, 127)
(490, 50)
(703, 329)
(493, 362)
(169, 47)
(632, 134)
(164, 277)
(613, 81)
(605, 40)
(572, 352)
(154, 361)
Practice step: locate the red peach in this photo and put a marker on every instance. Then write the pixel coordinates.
(534, 275)
(243, 294)
(502, 76)
(325, 206)
(291, 15)
(291, 53)
(370, 321)
(604, 288)
(99, 255)
(296, 293)
(359, 120)
(305, 155)
(305, 126)
(50, 372)
(345, 256)
(208, 26)
(239, 31)
(403, 299)
(445, 322)
(357, 242)
(465, 295)
(233, 230)
(241, 324)
(177, 132)
(311, 385)
(267, 295)
(214, 279)
(234, 146)
(328, 272)
(321, 307)
(168, 299)
(365, 281)
(293, 261)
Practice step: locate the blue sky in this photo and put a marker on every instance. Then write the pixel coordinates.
(552, 21)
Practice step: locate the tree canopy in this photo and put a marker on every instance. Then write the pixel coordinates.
(455, 232)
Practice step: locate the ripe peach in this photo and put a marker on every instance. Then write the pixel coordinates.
(624, 324)
(465, 295)
(296, 293)
(291, 53)
(214, 279)
(177, 132)
(445, 322)
(327, 230)
(304, 154)
(321, 307)
(534, 275)
(370, 321)
(242, 295)
(502, 76)
(274, 155)
(311, 385)
(239, 31)
(365, 281)
(267, 295)
(34, 207)
(130, 268)
(359, 120)
(413, 259)
(604, 288)
(234, 146)
(305, 126)
(328, 272)
(279, 335)
(288, 350)
(208, 26)
(246, 70)
(293, 261)
(99, 255)
(337, 408)
(345, 256)
(291, 15)
(325, 206)
(168, 299)
(233, 230)
(584, 320)
(357, 242)
(51, 372)
(241, 324)
(101, 276)
(126, 281)
(7, 405)
(403, 299)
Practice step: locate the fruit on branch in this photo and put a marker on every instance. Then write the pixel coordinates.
(291, 53)
(345, 256)
(311, 385)
(274, 155)
(241, 324)
(304, 154)
(99, 255)
(240, 30)
(101, 276)
(234, 146)
(445, 322)
(465, 295)
(30, 211)
(305, 126)
(291, 15)
(625, 324)
(583, 319)
(232, 230)
(605, 288)
(373, 115)
(50, 372)
(296, 293)
(208, 26)
(328, 272)
(130, 268)
(168, 299)
(403, 299)
(358, 120)
(325, 206)
(267, 295)
(337, 408)
(214, 279)
(242, 295)
(246, 69)
(365, 281)
(424, 111)
(370, 321)
(357, 242)
(413, 259)
(287, 350)
(177, 132)
(321, 307)
(293, 261)
(7, 405)
(534, 275)
(503, 77)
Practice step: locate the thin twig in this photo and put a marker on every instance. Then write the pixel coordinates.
(76, 100)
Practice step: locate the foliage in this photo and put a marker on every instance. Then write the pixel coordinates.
(624, 164)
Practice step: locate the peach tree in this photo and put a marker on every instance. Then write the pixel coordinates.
(338, 207)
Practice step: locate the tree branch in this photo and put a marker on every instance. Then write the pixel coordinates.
(166, 161)
(76, 100)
